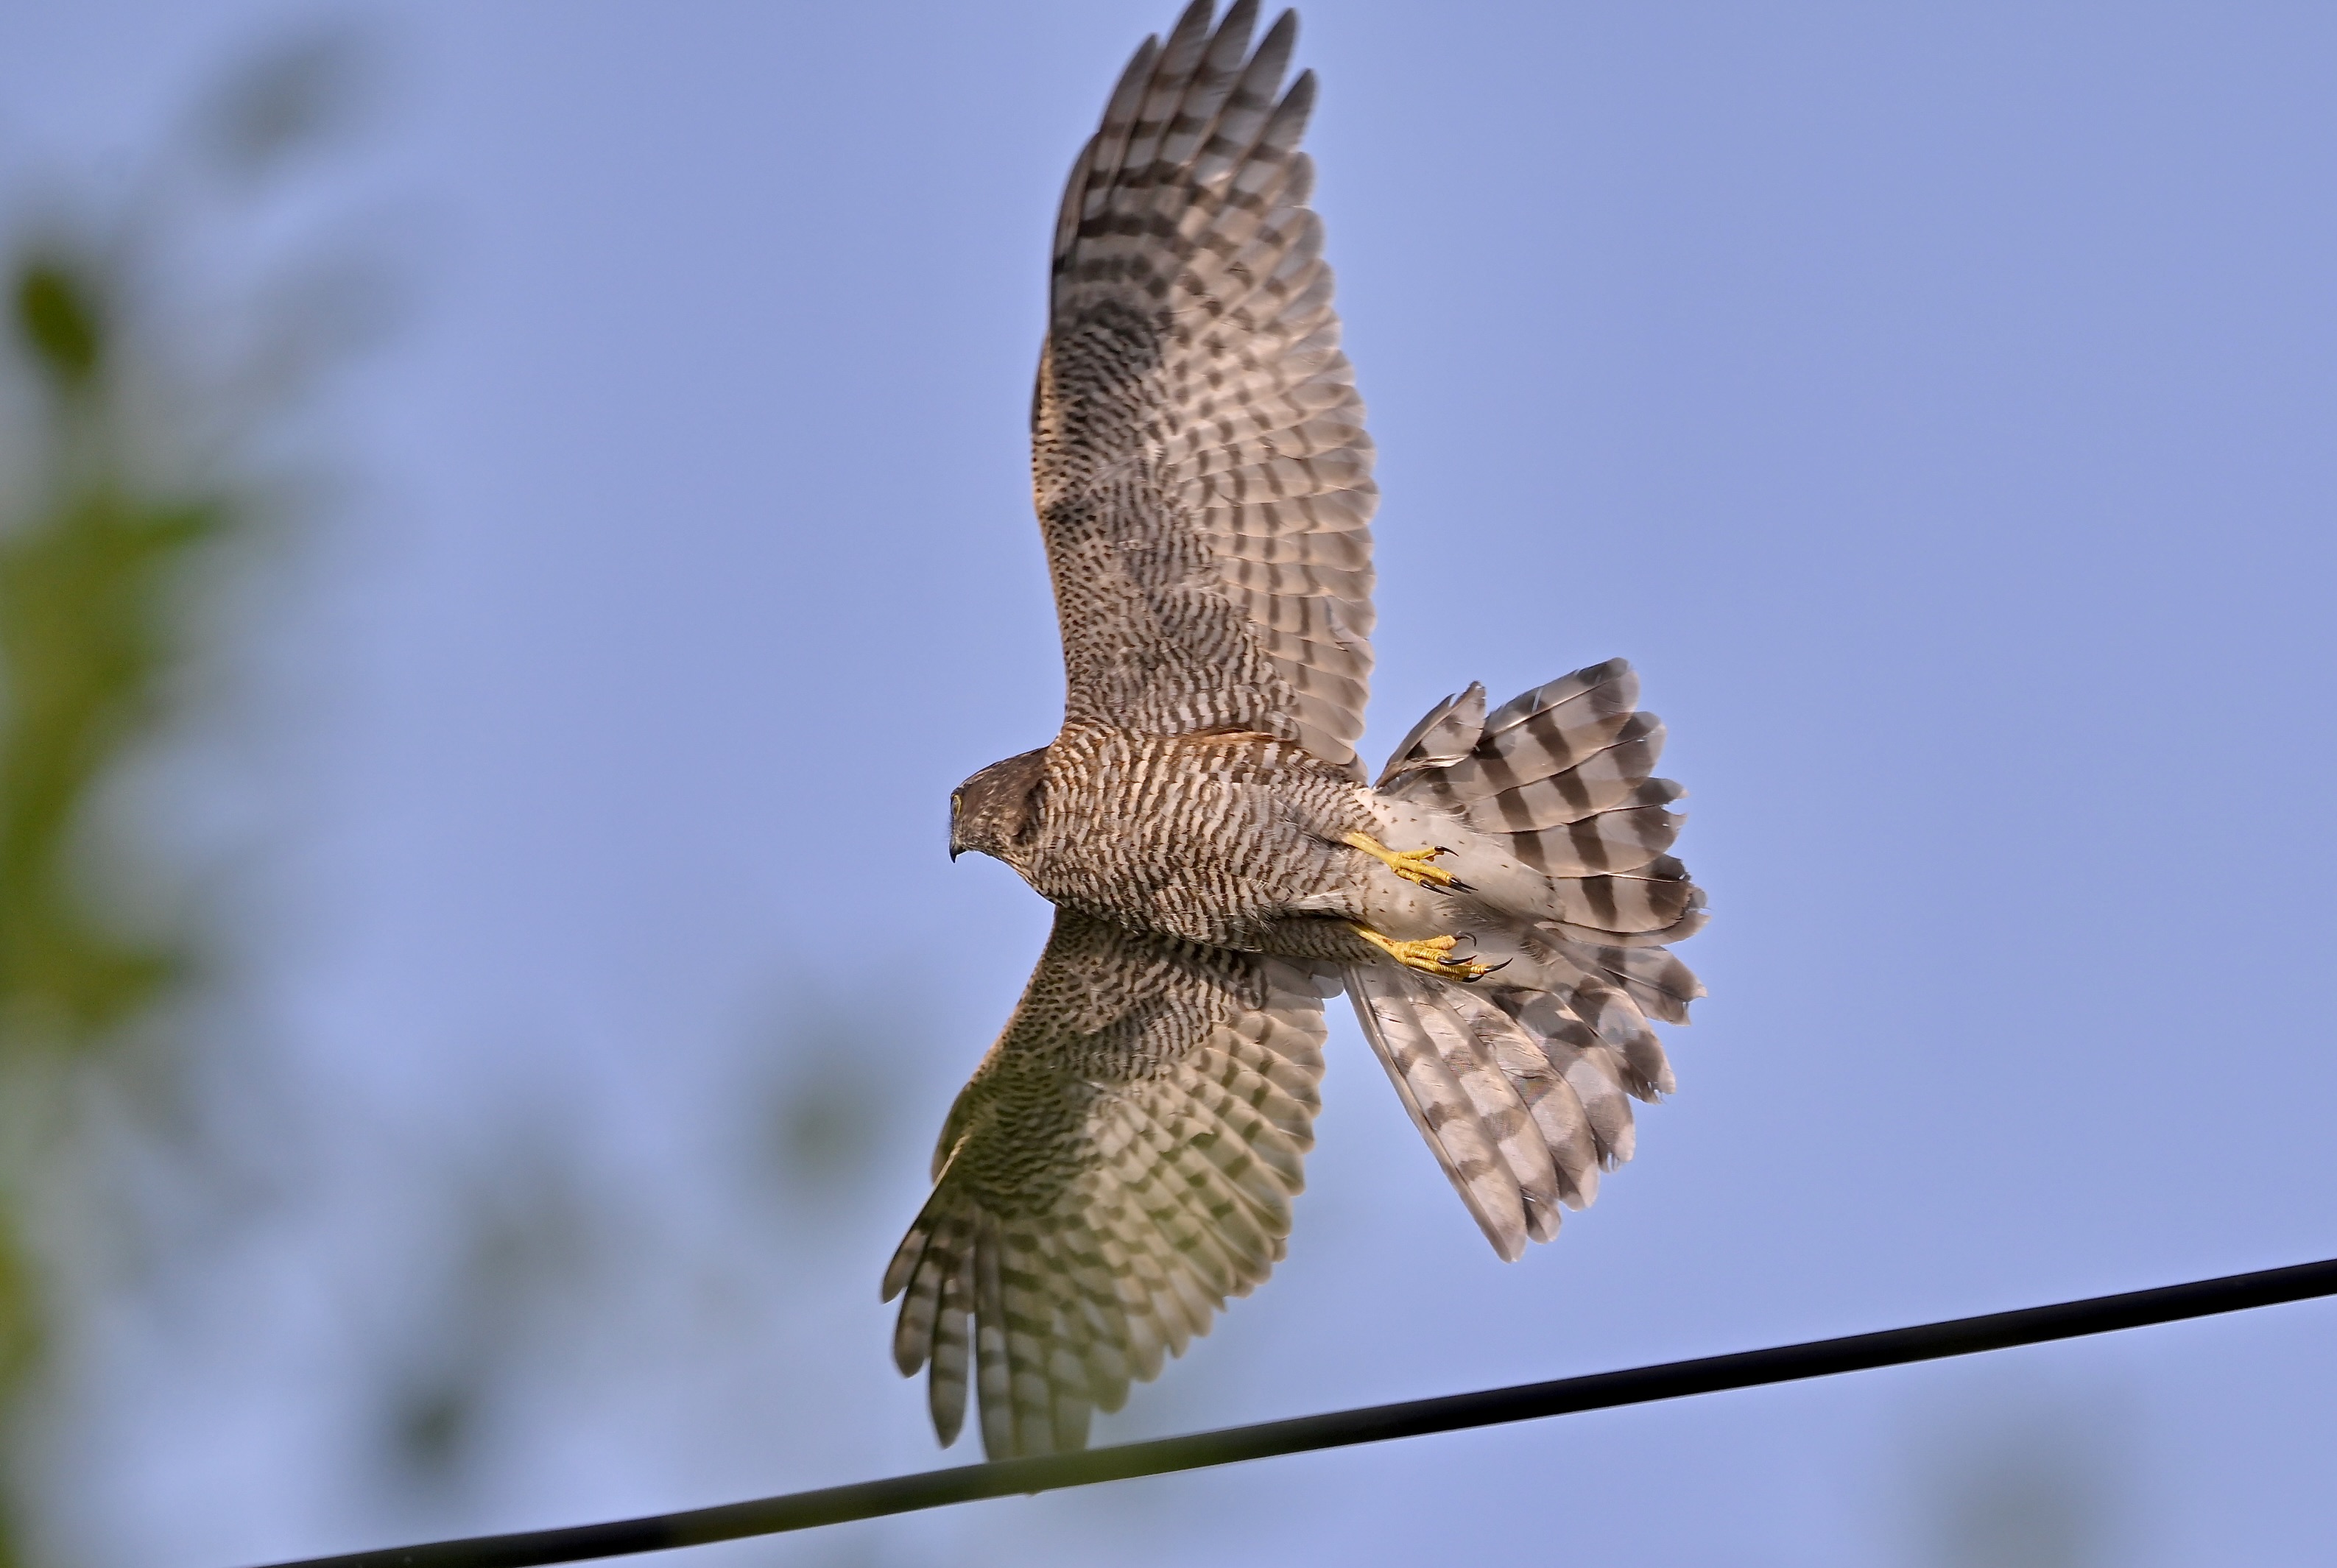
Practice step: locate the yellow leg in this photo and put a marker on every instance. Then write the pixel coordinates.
(1412, 865)
(1428, 956)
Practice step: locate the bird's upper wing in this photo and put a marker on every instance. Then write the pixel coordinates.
(1202, 476)
(1122, 1163)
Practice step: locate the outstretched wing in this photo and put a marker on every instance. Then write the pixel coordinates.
(1202, 476)
(1122, 1163)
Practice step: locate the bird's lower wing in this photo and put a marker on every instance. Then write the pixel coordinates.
(1122, 1162)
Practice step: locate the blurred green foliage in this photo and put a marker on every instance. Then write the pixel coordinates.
(86, 648)
(59, 319)
(139, 380)
(89, 646)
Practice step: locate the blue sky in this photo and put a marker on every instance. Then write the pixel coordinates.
(1935, 401)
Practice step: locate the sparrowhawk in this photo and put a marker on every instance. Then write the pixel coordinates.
(1497, 904)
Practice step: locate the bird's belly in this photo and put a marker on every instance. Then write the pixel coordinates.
(1214, 861)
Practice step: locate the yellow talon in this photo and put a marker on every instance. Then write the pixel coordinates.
(1428, 955)
(1412, 865)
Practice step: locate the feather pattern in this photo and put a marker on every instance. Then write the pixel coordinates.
(1122, 1162)
(1124, 1159)
(1533, 1070)
(1202, 475)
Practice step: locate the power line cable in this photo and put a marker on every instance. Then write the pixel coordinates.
(1375, 1424)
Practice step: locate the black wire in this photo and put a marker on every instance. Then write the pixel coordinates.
(1377, 1424)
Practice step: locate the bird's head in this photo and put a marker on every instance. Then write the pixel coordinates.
(996, 811)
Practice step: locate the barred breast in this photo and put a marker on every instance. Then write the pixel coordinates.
(1213, 838)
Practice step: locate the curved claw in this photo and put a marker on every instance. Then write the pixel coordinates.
(1477, 970)
(1412, 865)
(1429, 956)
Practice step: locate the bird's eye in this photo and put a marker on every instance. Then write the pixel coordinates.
(957, 797)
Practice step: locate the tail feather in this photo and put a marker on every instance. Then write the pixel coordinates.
(1612, 779)
(1522, 1083)
(1443, 736)
(1560, 740)
(1548, 730)
(1594, 1016)
(1434, 1071)
(1653, 898)
(1611, 688)
(1608, 842)
(1474, 1058)
(1692, 920)
(1661, 985)
(1562, 777)
(1557, 1110)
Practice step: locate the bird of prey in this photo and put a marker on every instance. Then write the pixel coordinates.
(1497, 904)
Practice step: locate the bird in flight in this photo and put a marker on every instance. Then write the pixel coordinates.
(1496, 905)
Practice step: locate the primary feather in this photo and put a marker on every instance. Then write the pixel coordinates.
(1122, 1162)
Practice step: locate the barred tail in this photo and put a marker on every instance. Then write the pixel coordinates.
(1522, 1082)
